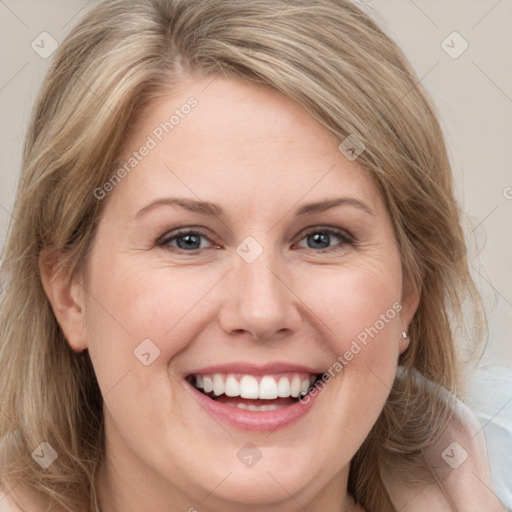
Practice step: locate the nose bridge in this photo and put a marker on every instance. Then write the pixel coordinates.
(260, 283)
(259, 300)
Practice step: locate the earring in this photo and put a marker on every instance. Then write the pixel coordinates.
(404, 335)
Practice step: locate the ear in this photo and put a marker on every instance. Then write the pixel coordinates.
(410, 302)
(66, 295)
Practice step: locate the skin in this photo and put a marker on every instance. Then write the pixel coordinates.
(259, 156)
(467, 478)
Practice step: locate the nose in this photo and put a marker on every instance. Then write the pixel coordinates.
(259, 301)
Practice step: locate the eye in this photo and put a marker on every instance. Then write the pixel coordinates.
(186, 240)
(321, 237)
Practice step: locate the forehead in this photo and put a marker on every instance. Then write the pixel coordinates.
(232, 141)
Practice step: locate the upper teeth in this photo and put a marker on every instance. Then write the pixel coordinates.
(248, 386)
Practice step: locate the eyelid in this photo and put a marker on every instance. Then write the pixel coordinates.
(329, 229)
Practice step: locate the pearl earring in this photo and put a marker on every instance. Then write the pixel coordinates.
(404, 335)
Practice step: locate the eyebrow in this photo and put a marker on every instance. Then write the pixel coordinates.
(214, 210)
(322, 206)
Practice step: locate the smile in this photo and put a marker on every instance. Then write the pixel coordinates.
(262, 400)
(223, 387)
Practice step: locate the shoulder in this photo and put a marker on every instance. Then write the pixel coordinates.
(19, 500)
(15, 498)
(7, 499)
(458, 460)
(6, 502)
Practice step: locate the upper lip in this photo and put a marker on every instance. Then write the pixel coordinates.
(253, 369)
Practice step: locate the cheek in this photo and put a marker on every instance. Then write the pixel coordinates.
(350, 305)
(139, 314)
(360, 311)
(358, 306)
(134, 324)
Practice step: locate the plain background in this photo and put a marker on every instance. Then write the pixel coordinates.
(473, 95)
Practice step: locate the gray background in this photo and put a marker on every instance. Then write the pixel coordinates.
(473, 94)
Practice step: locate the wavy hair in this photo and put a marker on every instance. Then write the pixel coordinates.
(328, 56)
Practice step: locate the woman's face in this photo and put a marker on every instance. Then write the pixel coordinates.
(240, 251)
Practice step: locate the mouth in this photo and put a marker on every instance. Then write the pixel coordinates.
(255, 393)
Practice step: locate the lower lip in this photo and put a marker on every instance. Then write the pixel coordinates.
(254, 420)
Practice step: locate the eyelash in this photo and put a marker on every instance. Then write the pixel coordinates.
(345, 237)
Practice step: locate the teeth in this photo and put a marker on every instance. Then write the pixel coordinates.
(248, 387)
(258, 408)
(283, 388)
(218, 385)
(268, 388)
(295, 387)
(208, 384)
(232, 386)
(304, 387)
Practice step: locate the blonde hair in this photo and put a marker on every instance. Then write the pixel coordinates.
(329, 57)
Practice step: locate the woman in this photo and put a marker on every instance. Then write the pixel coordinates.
(235, 271)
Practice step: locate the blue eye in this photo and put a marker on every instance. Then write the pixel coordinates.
(186, 240)
(320, 238)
